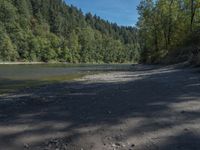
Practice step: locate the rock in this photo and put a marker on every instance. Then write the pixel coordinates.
(123, 145)
(182, 112)
(132, 145)
(117, 144)
(26, 146)
(65, 147)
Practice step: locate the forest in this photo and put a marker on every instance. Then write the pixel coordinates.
(51, 30)
(169, 31)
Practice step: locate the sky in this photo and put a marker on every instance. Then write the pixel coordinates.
(122, 12)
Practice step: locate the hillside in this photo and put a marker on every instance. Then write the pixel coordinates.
(51, 30)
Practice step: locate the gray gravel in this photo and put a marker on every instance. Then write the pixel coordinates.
(148, 108)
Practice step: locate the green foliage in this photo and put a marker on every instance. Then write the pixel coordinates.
(73, 44)
(166, 26)
(7, 12)
(7, 49)
(50, 30)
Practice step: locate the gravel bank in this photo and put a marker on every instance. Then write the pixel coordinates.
(148, 108)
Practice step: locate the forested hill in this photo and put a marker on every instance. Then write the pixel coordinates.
(51, 30)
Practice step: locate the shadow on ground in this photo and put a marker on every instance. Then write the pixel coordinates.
(154, 109)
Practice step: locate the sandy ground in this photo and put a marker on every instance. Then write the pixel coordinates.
(144, 109)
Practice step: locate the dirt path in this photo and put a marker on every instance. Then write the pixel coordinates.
(145, 109)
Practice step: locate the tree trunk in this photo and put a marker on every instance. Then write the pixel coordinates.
(193, 11)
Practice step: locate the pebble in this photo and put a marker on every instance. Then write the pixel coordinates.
(117, 144)
(132, 145)
(109, 112)
(182, 112)
(26, 146)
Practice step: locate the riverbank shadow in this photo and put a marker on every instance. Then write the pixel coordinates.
(161, 107)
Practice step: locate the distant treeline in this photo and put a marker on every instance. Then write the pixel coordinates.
(50, 30)
(169, 30)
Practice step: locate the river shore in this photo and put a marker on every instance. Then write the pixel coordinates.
(147, 108)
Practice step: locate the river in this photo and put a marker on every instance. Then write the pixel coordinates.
(13, 77)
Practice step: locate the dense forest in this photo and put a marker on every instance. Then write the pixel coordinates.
(51, 30)
(169, 30)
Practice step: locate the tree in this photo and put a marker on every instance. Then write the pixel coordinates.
(7, 49)
(24, 9)
(66, 53)
(7, 12)
(73, 45)
(86, 39)
(47, 53)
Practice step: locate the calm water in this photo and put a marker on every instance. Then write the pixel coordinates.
(16, 77)
(32, 72)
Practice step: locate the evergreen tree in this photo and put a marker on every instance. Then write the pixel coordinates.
(7, 49)
(73, 45)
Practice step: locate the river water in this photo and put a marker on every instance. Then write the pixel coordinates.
(31, 72)
(15, 77)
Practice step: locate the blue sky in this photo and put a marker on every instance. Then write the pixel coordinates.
(123, 12)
